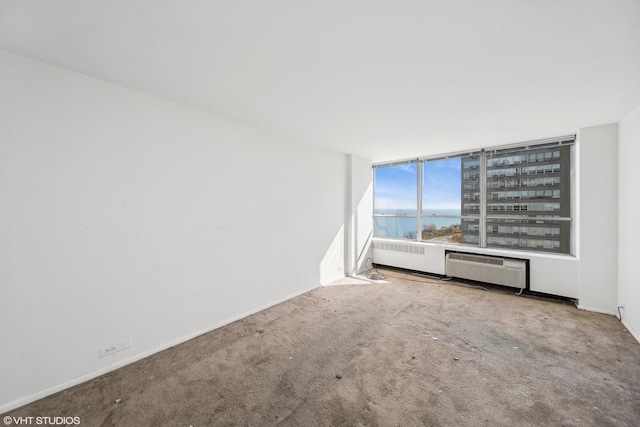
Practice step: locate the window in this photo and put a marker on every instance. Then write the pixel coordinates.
(441, 218)
(541, 217)
(513, 198)
(395, 201)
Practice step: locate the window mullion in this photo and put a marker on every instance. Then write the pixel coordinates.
(483, 199)
(419, 210)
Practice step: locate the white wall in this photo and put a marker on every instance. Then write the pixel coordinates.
(598, 217)
(629, 232)
(359, 214)
(126, 216)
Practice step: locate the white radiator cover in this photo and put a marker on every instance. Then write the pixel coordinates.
(408, 255)
(489, 269)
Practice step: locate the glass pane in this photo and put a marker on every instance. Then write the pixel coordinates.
(441, 187)
(470, 232)
(396, 189)
(534, 182)
(529, 234)
(441, 230)
(451, 230)
(470, 185)
(395, 227)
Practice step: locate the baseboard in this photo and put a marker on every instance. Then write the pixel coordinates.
(633, 332)
(351, 280)
(6, 407)
(597, 310)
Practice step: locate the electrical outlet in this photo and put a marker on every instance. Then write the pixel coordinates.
(114, 348)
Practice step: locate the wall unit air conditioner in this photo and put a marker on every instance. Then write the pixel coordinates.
(489, 269)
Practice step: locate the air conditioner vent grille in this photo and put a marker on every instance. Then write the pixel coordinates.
(477, 259)
(399, 247)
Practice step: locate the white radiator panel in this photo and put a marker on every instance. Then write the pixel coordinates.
(417, 257)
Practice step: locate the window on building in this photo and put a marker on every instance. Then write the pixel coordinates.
(513, 198)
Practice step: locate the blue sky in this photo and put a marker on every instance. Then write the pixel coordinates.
(441, 184)
(396, 186)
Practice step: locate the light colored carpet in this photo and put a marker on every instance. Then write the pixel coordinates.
(411, 352)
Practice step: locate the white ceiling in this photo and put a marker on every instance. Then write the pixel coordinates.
(383, 79)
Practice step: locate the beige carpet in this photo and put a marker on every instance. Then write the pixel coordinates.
(409, 353)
